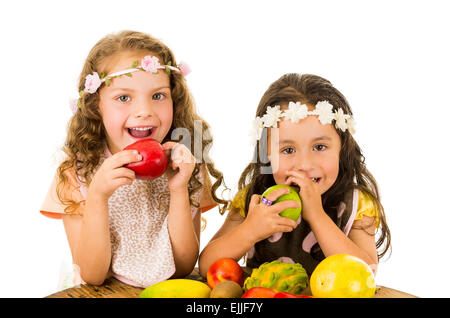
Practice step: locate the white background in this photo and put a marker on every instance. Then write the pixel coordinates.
(389, 58)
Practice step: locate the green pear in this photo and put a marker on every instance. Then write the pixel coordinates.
(292, 213)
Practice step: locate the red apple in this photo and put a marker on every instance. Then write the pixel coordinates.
(154, 160)
(289, 295)
(259, 292)
(224, 269)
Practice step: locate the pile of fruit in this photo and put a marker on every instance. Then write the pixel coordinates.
(336, 276)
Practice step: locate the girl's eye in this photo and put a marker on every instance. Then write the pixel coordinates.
(320, 147)
(158, 96)
(288, 150)
(124, 98)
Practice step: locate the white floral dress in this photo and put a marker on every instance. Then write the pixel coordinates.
(138, 213)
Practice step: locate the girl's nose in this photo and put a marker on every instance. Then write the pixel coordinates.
(143, 110)
(304, 162)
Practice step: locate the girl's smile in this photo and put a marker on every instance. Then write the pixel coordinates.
(308, 148)
(140, 132)
(136, 107)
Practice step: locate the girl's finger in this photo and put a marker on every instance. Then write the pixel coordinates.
(181, 154)
(123, 173)
(289, 181)
(174, 165)
(118, 182)
(168, 148)
(169, 145)
(272, 196)
(301, 182)
(177, 154)
(254, 200)
(124, 157)
(283, 205)
(284, 228)
(283, 221)
(299, 177)
(174, 151)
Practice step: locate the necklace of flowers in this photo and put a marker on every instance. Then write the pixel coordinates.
(148, 64)
(297, 111)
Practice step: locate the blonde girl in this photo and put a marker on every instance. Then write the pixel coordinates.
(139, 231)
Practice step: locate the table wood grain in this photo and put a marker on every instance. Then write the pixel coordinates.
(113, 288)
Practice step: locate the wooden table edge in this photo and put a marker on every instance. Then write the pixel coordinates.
(113, 288)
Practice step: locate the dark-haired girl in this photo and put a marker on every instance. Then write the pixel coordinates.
(303, 134)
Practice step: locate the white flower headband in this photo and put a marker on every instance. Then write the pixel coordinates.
(298, 111)
(148, 64)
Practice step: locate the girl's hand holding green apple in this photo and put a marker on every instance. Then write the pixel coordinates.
(292, 213)
(263, 220)
(310, 194)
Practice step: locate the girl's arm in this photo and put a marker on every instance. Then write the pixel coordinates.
(184, 232)
(88, 235)
(231, 241)
(359, 243)
(237, 235)
(89, 240)
(330, 237)
(185, 259)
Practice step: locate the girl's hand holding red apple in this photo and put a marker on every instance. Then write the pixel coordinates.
(155, 162)
(263, 221)
(181, 159)
(154, 159)
(112, 174)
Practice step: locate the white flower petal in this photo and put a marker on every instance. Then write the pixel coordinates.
(295, 112)
(341, 119)
(325, 112)
(256, 131)
(272, 116)
(351, 125)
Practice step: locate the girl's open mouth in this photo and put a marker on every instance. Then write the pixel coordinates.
(141, 132)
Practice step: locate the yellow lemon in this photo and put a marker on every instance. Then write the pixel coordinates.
(342, 276)
(177, 288)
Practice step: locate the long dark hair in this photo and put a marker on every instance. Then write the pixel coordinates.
(353, 173)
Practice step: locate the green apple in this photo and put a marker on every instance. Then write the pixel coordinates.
(292, 213)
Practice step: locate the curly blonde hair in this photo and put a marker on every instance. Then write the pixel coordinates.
(85, 142)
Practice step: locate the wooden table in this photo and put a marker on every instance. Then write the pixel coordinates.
(113, 288)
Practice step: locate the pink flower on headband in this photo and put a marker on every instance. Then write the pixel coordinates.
(150, 64)
(92, 83)
(73, 104)
(184, 68)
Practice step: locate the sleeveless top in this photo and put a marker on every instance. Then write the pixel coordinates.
(300, 245)
(140, 242)
(141, 249)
